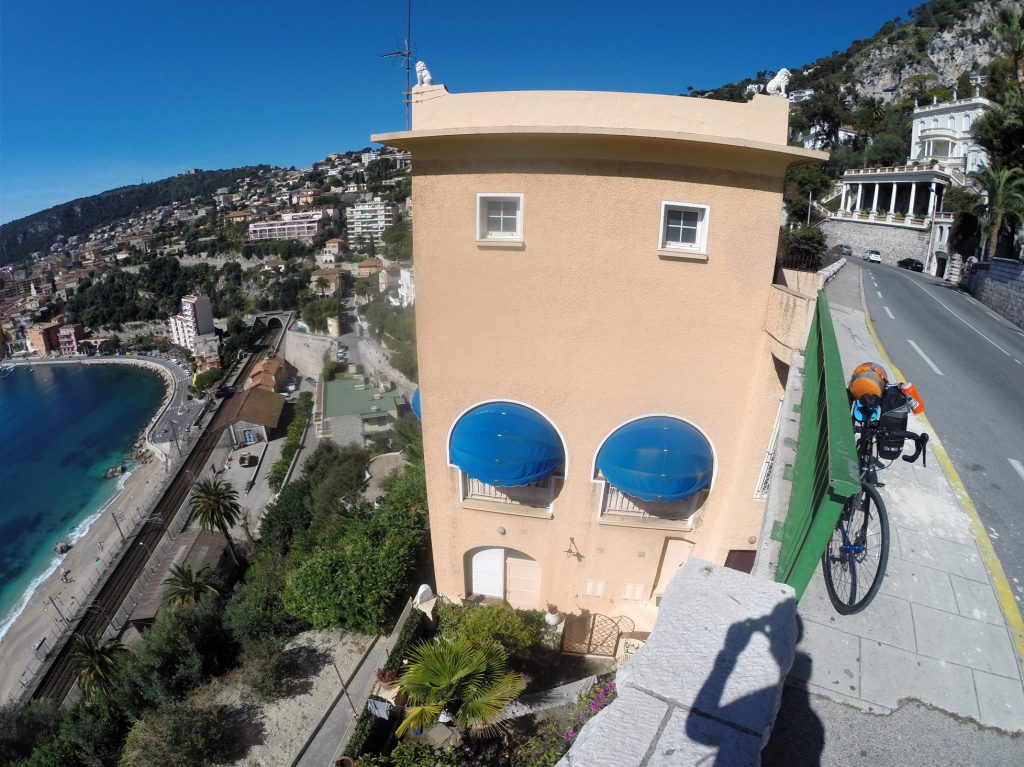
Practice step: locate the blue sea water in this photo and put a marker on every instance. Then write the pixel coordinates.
(61, 428)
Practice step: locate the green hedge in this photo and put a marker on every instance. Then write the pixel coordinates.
(412, 632)
(369, 735)
(275, 477)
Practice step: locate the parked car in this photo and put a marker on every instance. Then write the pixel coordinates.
(910, 263)
(873, 255)
(846, 250)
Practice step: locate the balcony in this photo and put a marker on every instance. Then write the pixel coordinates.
(534, 500)
(947, 134)
(618, 508)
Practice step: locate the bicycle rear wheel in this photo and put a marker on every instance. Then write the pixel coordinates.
(855, 559)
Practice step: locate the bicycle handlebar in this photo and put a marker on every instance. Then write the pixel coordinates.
(920, 441)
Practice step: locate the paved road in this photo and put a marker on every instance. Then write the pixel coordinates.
(968, 365)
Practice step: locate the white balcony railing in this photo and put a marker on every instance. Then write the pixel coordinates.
(540, 494)
(618, 506)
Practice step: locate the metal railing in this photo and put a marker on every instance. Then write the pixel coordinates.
(619, 504)
(825, 472)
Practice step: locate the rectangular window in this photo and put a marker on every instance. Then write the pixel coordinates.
(593, 588)
(684, 227)
(633, 592)
(500, 217)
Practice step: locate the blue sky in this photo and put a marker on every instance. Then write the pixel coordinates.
(100, 94)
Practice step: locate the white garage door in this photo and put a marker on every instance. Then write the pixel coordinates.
(522, 583)
(489, 573)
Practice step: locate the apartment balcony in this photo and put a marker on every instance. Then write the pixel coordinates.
(533, 500)
(882, 217)
(618, 508)
(944, 134)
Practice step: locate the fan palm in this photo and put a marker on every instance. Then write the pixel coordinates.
(322, 285)
(214, 505)
(1004, 188)
(95, 661)
(185, 586)
(470, 683)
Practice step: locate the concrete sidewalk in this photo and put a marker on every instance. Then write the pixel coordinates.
(935, 632)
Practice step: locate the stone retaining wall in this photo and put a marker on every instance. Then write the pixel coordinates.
(307, 351)
(1001, 289)
(893, 242)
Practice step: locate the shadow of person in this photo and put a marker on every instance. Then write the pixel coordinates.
(709, 719)
(798, 736)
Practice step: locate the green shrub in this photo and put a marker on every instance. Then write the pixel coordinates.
(267, 669)
(413, 630)
(175, 735)
(516, 631)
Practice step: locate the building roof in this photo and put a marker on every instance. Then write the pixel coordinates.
(369, 262)
(333, 239)
(198, 548)
(343, 398)
(256, 405)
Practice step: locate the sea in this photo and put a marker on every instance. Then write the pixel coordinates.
(61, 428)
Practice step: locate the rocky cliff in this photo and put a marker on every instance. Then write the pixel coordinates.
(893, 65)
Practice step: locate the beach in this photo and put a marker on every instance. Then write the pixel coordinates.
(96, 543)
(41, 617)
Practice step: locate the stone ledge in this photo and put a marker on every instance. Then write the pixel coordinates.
(707, 684)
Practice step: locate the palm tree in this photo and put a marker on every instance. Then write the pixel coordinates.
(215, 507)
(185, 587)
(1004, 188)
(470, 684)
(321, 286)
(1009, 28)
(95, 660)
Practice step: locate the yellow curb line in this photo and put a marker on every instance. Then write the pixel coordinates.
(1004, 594)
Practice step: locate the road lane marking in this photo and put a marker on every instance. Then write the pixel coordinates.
(1017, 467)
(887, 311)
(1008, 601)
(924, 356)
(940, 303)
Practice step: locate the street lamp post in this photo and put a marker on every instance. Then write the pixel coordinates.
(810, 202)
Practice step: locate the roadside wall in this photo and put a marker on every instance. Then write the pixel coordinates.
(1001, 289)
(893, 242)
(306, 352)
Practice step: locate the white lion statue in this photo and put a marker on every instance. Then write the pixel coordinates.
(777, 85)
(423, 76)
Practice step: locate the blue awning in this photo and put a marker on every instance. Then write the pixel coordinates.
(416, 403)
(506, 445)
(657, 459)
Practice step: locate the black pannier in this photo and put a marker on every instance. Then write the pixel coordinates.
(894, 415)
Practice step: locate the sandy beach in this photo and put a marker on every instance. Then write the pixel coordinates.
(54, 601)
(88, 559)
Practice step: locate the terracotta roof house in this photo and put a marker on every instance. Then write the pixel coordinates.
(253, 415)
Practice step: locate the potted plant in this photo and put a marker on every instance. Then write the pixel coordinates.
(385, 677)
(552, 618)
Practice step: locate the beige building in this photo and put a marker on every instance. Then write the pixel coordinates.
(593, 277)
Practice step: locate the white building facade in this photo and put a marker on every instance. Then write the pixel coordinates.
(368, 220)
(196, 319)
(292, 226)
(407, 286)
(909, 198)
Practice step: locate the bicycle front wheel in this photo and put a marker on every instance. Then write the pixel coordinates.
(855, 559)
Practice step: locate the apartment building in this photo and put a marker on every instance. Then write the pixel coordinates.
(407, 286)
(43, 338)
(594, 273)
(291, 226)
(196, 319)
(68, 337)
(366, 221)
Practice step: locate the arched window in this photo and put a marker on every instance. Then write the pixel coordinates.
(967, 122)
(952, 123)
(935, 122)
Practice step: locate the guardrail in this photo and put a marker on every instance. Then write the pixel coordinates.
(825, 472)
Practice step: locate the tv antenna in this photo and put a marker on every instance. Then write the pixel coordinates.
(405, 54)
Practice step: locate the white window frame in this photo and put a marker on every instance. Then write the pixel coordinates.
(482, 235)
(700, 247)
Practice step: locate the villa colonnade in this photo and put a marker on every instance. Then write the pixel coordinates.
(918, 199)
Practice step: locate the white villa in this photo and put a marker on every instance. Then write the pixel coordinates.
(899, 210)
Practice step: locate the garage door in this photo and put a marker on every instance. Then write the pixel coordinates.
(522, 583)
(489, 573)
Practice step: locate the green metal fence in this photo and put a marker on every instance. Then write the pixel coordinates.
(825, 473)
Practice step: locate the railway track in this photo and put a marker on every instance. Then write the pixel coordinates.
(59, 678)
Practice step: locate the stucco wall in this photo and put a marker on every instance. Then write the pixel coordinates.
(1001, 288)
(588, 325)
(893, 242)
